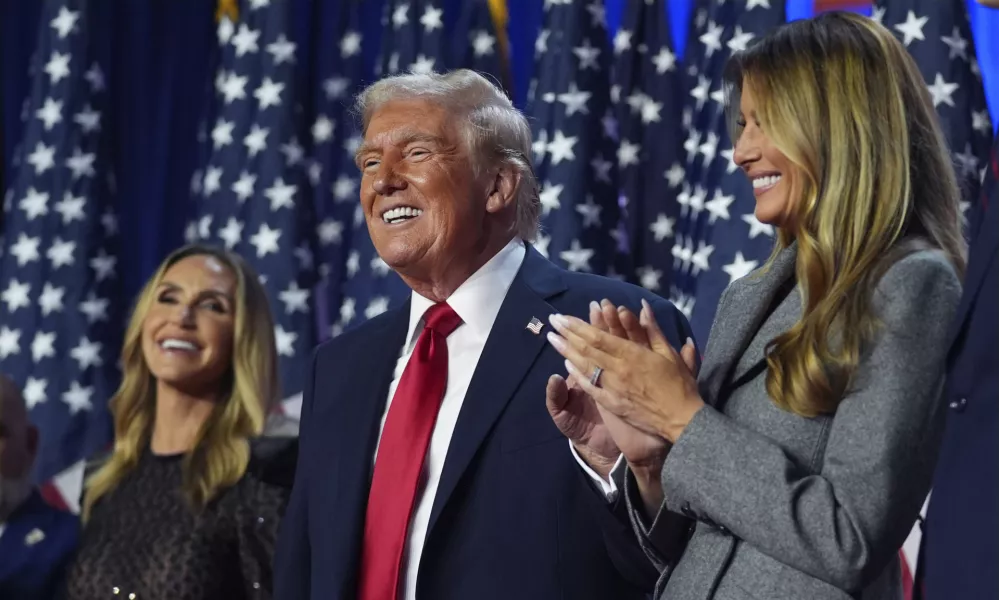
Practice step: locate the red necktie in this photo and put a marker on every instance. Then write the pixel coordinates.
(401, 452)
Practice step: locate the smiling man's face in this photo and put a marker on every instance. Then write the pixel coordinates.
(423, 203)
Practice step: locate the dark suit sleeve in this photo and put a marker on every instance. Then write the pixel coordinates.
(293, 555)
(668, 532)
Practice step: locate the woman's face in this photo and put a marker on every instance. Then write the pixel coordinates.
(771, 173)
(187, 335)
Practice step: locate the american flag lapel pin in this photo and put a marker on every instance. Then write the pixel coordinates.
(535, 325)
(36, 535)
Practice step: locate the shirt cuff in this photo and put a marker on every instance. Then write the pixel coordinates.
(607, 487)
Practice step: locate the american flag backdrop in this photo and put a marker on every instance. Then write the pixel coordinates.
(251, 194)
(576, 151)
(938, 36)
(718, 238)
(418, 37)
(646, 91)
(61, 316)
(339, 72)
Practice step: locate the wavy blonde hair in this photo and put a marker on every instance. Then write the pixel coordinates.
(221, 451)
(844, 101)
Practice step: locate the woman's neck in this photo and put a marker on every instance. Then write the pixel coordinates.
(179, 418)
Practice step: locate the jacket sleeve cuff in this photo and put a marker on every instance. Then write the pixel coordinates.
(664, 539)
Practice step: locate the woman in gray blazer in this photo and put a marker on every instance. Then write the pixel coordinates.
(801, 454)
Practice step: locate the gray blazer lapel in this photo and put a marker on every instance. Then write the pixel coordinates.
(739, 316)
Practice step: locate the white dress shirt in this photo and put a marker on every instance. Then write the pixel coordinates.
(477, 301)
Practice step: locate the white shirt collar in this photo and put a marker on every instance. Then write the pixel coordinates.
(478, 299)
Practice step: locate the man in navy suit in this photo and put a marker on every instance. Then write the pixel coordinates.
(36, 540)
(960, 544)
(429, 465)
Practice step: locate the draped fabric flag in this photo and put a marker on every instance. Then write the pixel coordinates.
(938, 36)
(718, 238)
(575, 132)
(646, 92)
(418, 38)
(252, 195)
(60, 301)
(339, 72)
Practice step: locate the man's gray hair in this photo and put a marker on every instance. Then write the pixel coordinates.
(494, 130)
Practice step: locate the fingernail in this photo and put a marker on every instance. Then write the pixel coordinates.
(568, 367)
(606, 302)
(557, 321)
(594, 305)
(645, 304)
(690, 341)
(556, 340)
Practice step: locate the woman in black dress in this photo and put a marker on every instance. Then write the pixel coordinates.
(184, 507)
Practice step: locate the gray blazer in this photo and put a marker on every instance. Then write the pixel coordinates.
(779, 506)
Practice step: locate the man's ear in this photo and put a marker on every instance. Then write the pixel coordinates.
(503, 189)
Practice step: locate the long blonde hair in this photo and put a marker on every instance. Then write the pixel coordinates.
(221, 452)
(844, 101)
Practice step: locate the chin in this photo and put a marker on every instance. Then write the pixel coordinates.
(193, 384)
(764, 216)
(770, 213)
(399, 254)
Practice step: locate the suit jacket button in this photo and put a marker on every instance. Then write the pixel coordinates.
(959, 404)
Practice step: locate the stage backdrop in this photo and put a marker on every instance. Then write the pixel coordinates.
(131, 126)
(160, 52)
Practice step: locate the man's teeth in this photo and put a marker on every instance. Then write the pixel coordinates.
(397, 215)
(172, 344)
(765, 182)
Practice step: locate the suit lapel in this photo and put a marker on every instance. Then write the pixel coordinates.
(733, 330)
(983, 252)
(508, 355)
(356, 417)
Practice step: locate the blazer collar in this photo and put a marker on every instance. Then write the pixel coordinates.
(508, 354)
(984, 250)
(740, 317)
(510, 351)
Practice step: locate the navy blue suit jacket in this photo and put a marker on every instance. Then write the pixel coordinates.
(514, 515)
(35, 549)
(961, 536)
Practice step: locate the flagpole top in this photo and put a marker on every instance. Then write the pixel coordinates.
(227, 8)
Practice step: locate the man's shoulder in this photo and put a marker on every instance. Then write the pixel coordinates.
(382, 325)
(47, 520)
(582, 288)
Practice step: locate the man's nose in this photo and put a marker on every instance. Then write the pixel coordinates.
(387, 180)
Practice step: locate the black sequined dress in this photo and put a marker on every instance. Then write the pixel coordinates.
(144, 543)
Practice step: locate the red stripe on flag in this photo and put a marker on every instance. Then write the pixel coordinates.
(50, 493)
(826, 5)
(906, 576)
